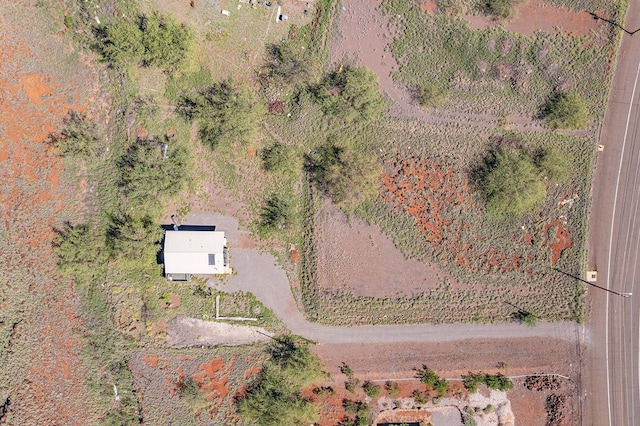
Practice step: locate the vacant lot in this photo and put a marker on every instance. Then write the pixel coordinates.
(429, 204)
(193, 386)
(43, 374)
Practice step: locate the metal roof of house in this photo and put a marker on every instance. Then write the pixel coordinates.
(194, 252)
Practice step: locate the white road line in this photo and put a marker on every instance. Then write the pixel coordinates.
(613, 218)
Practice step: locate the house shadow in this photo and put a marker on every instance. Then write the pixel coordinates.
(189, 228)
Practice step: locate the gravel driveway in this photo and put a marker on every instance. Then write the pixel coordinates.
(259, 274)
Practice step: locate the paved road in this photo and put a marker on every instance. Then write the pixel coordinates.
(612, 374)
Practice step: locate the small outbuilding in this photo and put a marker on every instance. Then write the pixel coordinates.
(188, 253)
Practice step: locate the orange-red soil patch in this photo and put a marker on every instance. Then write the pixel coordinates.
(254, 369)
(174, 301)
(561, 239)
(152, 360)
(212, 381)
(436, 196)
(428, 6)
(534, 15)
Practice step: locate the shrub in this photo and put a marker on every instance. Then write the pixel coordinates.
(512, 185)
(134, 235)
(274, 215)
(347, 176)
(81, 251)
(277, 157)
(430, 97)
(498, 382)
(286, 66)
(276, 398)
(371, 389)
(346, 370)
(501, 8)
(441, 387)
(427, 376)
(121, 43)
(151, 40)
(190, 393)
(471, 381)
(165, 42)
(526, 318)
(392, 388)
(418, 397)
(567, 111)
(351, 385)
(361, 411)
(78, 137)
(351, 94)
(152, 169)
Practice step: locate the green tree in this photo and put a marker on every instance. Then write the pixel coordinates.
(121, 43)
(554, 164)
(512, 184)
(82, 251)
(371, 389)
(567, 111)
(427, 376)
(134, 235)
(274, 403)
(150, 40)
(347, 176)
(276, 397)
(165, 42)
(151, 169)
(441, 387)
(227, 113)
(472, 380)
(498, 382)
(351, 94)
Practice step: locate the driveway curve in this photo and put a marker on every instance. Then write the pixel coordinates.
(258, 273)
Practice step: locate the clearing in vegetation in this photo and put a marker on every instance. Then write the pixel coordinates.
(435, 203)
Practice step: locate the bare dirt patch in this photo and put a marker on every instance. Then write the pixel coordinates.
(537, 15)
(534, 15)
(185, 332)
(362, 260)
(364, 33)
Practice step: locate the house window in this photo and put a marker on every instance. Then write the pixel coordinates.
(212, 260)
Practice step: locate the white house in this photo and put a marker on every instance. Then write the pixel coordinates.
(189, 253)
